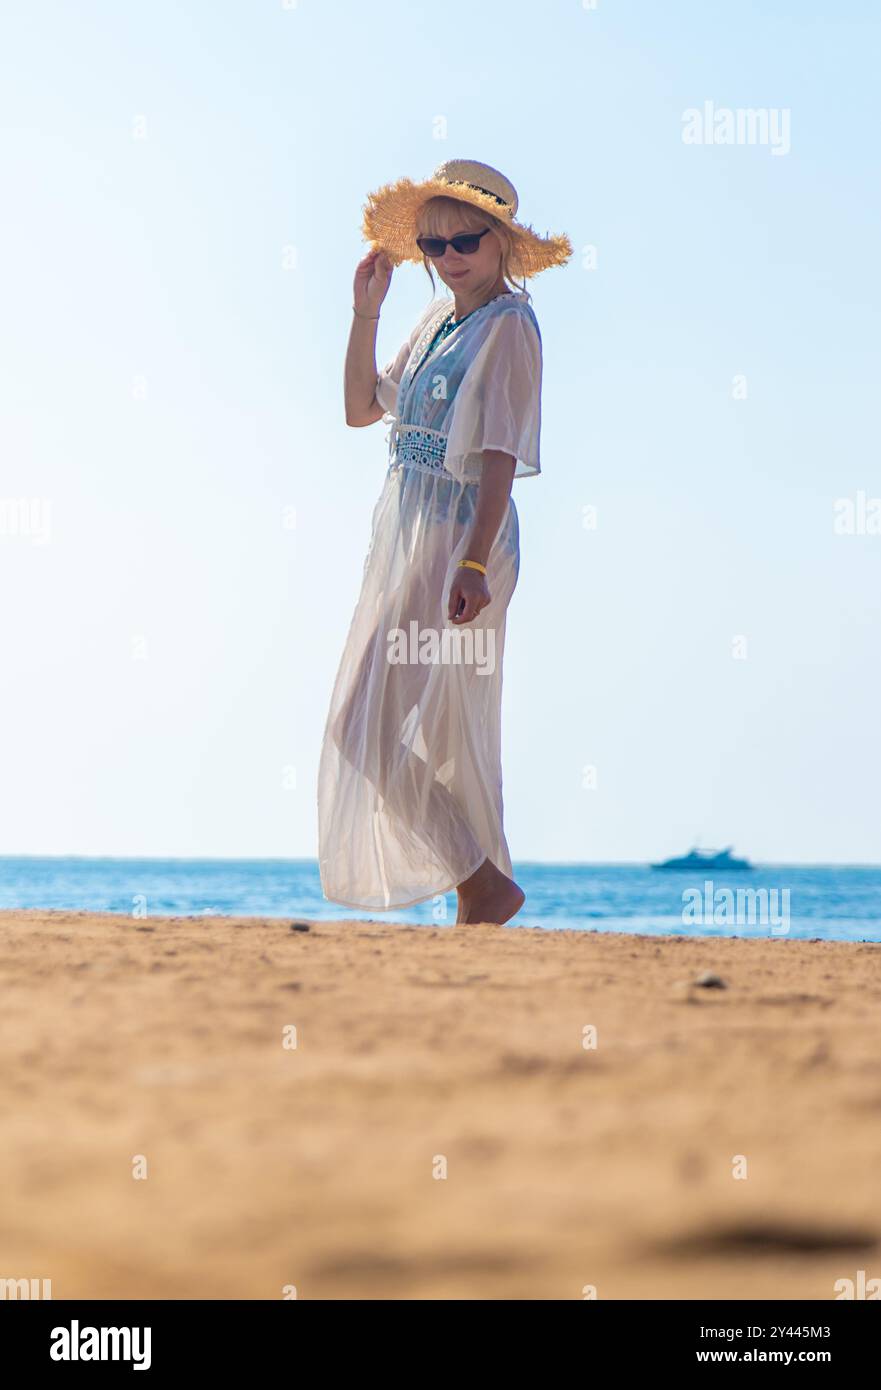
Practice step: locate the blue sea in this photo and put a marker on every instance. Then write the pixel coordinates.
(832, 902)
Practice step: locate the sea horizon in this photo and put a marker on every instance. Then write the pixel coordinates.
(829, 901)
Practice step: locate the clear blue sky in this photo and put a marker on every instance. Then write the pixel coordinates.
(171, 384)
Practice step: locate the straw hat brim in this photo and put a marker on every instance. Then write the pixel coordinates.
(390, 224)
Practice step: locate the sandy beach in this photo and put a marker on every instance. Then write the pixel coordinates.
(440, 1130)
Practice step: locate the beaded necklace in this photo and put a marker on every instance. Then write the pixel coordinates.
(447, 327)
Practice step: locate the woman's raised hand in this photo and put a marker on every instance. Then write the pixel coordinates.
(372, 279)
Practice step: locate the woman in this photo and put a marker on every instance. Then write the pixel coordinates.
(410, 780)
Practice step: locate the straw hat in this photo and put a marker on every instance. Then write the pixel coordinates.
(390, 214)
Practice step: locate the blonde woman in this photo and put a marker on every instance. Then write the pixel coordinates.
(410, 778)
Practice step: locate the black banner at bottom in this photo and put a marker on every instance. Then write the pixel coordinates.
(159, 1337)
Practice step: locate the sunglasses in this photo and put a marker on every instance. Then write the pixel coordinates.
(465, 244)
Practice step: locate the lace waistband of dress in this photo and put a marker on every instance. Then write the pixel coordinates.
(417, 446)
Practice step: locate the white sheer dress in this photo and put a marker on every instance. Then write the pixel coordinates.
(410, 777)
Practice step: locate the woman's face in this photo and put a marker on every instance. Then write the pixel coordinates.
(476, 273)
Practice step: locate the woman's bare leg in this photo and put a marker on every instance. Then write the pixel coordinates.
(398, 774)
(488, 896)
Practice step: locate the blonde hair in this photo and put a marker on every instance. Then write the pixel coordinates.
(433, 215)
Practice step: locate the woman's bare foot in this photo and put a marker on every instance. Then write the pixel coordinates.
(488, 896)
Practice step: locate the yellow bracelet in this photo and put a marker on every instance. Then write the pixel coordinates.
(472, 565)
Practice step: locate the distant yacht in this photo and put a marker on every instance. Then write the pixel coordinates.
(705, 859)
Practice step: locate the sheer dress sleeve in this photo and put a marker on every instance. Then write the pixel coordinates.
(498, 403)
(389, 378)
